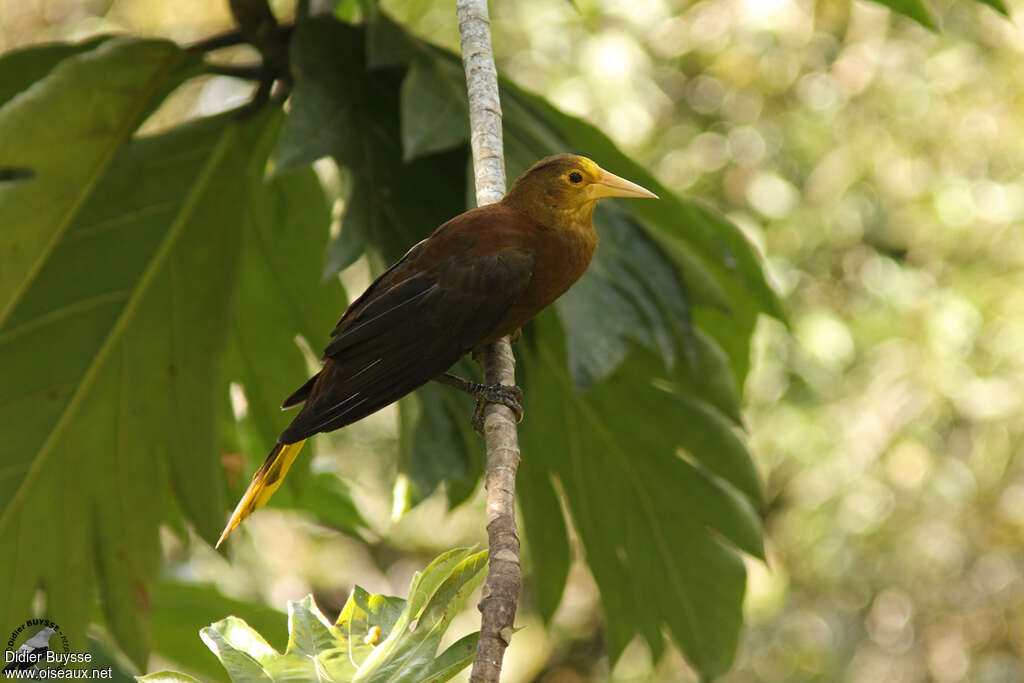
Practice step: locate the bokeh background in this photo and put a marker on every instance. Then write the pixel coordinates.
(879, 167)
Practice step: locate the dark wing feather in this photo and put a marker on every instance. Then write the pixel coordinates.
(386, 279)
(412, 324)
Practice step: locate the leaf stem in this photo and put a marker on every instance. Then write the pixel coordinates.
(504, 577)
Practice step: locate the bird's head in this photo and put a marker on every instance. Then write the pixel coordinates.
(567, 186)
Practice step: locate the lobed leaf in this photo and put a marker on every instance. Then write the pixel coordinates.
(109, 339)
(656, 527)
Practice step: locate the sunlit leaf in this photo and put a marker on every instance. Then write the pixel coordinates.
(376, 639)
(435, 598)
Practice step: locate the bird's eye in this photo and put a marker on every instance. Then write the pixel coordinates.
(575, 177)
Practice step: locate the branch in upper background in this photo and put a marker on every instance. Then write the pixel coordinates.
(233, 38)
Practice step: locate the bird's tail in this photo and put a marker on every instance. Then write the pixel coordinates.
(264, 483)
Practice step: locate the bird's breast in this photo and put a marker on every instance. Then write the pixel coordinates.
(561, 258)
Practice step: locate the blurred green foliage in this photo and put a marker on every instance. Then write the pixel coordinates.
(878, 166)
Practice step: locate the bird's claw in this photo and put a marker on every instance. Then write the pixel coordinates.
(508, 396)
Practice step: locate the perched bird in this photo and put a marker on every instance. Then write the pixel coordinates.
(477, 278)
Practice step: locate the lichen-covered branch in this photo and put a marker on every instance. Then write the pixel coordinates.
(504, 576)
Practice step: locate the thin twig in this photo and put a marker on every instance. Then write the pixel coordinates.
(258, 24)
(504, 576)
(231, 39)
(246, 73)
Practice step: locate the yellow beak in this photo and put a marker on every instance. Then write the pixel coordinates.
(611, 185)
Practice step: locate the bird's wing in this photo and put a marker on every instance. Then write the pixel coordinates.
(410, 326)
(396, 274)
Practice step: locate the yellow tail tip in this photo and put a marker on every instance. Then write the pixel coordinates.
(227, 530)
(266, 480)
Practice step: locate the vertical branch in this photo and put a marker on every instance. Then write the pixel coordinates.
(504, 575)
(484, 104)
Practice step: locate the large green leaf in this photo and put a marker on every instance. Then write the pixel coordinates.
(656, 527)
(655, 258)
(376, 639)
(107, 358)
(65, 130)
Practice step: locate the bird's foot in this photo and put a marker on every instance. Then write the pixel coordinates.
(510, 397)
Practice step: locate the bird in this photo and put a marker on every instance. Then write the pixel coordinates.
(477, 278)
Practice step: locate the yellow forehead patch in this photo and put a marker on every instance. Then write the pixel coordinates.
(589, 166)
